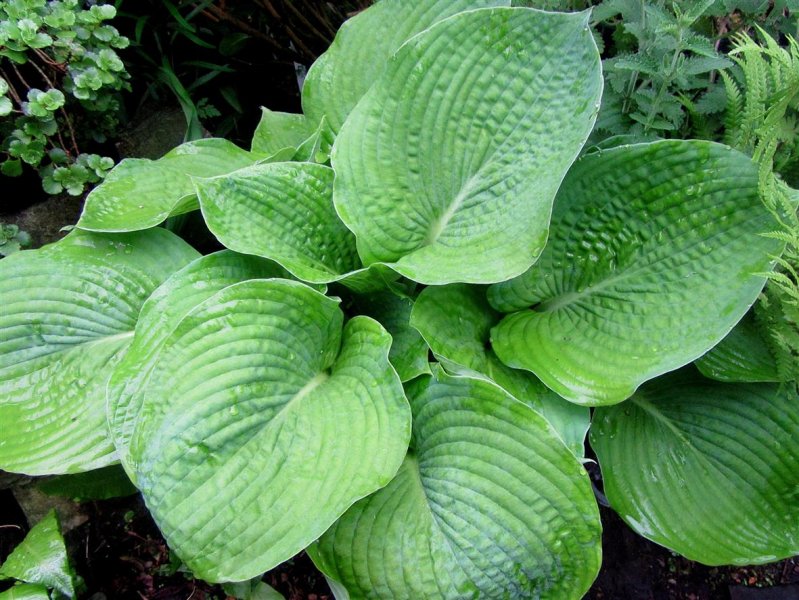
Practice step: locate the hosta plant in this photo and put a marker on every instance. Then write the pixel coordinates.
(427, 284)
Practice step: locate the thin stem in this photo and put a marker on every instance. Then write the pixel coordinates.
(11, 89)
(666, 81)
(20, 77)
(307, 23)
(321, 17)
(294, 37)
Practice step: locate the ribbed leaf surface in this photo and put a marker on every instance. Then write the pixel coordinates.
(140, 193)
(488, 503)
(262, 423)
(363, 45)
(162, 312)
(69, 310)
(651, 261)
(710, 470)
(741, 356)
(448, 165)
(283, 211)
(41, 559)
(456, 322)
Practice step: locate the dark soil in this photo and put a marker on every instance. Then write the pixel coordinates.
(121, 555)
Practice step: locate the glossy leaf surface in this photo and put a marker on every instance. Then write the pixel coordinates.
(363, 46)
(456, 321)
(488, 503)
(60, 340)
(139, 193)
(25, 591)
(652, 259)
(282, 211)
(710, 470)
(741, 356)
(162, 312)
(262, 422)
(277, 131)
(459, 187)
(41, 559)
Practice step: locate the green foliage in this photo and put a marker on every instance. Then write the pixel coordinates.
(762, 119)
(41, 561)
(280, 394)
(59, 67)
(661, 75)
(12, 239)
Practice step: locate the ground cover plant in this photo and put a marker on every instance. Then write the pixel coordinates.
(431, 289)
(59, 70)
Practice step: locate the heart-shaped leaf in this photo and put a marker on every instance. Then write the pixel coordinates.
(741, 356)
(140, 193)
(363, 45)
(162, 312)
(282, 211)
(708, 469)
(262, 423)
(60, 340)
(459, 187)
(488, 503)
(456, 322)
(651, 261)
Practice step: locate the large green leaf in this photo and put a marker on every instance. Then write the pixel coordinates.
(69, 310)
(710, 470)
(456, 322)
(262, 423)
(363, 46)
(741, 356)
(162, 312)
(488, 503)
(140, 193)
(41, 559)
(409, 352)
(458, 187)
(651, 261)
(283, 211)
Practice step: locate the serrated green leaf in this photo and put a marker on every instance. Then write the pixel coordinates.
(159, 316)
(651, 261)
(488, 503)
(709, 470)
(41, 559)
(140, 193)
(69, 310)
(456, 322)
(363, 46)
(282, 211)
(278, 130)
(459, 188)
(409, 351)
(262, 422)
(741, 356)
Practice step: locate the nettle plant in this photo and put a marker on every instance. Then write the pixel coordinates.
(434, 200)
